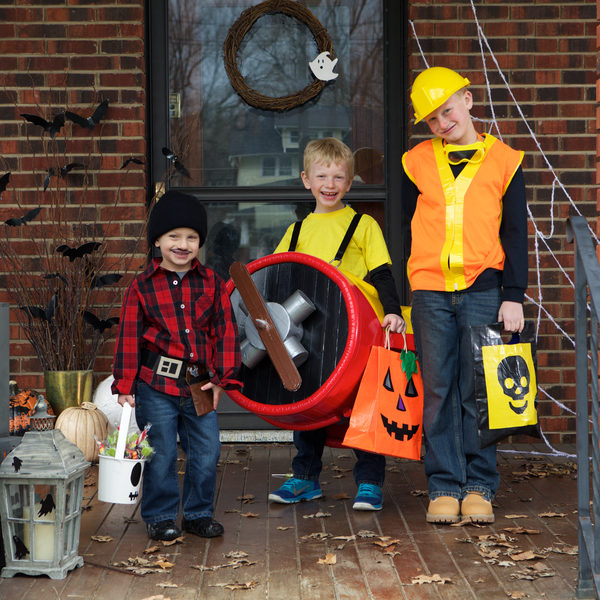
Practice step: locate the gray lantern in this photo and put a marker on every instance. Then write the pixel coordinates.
(41, 490)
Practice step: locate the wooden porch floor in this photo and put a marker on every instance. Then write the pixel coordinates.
(276, 551)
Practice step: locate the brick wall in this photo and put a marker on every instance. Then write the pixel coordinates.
(547, 52)
(73, 54)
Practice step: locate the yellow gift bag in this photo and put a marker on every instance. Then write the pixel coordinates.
(505, 383)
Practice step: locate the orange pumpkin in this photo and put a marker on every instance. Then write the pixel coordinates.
(79, 424)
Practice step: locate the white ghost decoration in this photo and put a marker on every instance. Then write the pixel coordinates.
(322, 67)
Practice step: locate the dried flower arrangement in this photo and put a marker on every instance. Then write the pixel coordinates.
(62, 258)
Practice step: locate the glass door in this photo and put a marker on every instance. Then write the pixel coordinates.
(244, 159)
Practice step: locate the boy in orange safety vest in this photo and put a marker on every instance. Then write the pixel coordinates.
(464, 196)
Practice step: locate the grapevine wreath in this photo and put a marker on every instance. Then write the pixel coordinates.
(241, 27)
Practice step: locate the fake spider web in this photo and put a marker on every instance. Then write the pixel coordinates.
(541, 239)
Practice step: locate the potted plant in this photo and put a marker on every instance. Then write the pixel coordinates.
(61, 251)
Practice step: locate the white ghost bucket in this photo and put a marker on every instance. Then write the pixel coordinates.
(119, 478)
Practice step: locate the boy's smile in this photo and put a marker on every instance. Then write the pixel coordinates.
(178, 247)
(328, 184)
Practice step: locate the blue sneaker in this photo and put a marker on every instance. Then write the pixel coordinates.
(294, 490)
(368, 497)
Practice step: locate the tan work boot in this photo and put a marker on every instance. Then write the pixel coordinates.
(475, 507)
(444, 509)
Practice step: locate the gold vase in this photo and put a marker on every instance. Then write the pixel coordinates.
(67, 388)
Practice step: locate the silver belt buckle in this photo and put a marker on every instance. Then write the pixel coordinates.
(169, 367)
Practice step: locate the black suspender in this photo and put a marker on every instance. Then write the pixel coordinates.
(343, 246)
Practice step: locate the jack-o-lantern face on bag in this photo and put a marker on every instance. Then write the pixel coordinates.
(395, 424)
(388, 410)
(510, 384)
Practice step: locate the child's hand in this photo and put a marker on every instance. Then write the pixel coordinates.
(216, 390)
(511, 314)
(395, 322)
(123, 398)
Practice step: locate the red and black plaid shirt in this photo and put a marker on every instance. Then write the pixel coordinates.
(189, 319)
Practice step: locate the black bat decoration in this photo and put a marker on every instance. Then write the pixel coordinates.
(63, 171)
(3, 183)
(16, 463)
(99, 324)
(132, 159)
(46, 506)
(175, 161)
(52, 127)
(102, 280)
(78, 252)
(89, 122)
(36, 312)
(21, 550)
(29, 216)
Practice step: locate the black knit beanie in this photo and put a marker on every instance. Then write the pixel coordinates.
(174, 210)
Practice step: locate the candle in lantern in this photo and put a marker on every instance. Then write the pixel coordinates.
(43, 534)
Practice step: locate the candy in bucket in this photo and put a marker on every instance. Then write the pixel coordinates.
(121, 462)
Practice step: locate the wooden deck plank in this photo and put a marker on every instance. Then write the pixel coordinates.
(283, 556)
(287, 563)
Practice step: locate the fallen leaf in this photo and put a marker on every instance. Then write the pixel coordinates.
(346, 538)
(522, 530)
(386, 541)
(365, 533)
(178, 540)
(246, 498)
(317, 515)
(282, 528)
(317, 535)
(151, 549)
(102, 538)
(551, 514)
(167, 584)
(517, 594)
(506, 563)
(435, 578)
(156, 597)
(342, 496)
(330, 559)
(165, 564)
(418, 493)
(563, 549)
(236, 554)
(515, 516)
(249, 585)
(526, 555)
(250, 515)
(232, 510)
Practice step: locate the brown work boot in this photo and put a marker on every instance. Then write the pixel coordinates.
(444, 509)
(475, 507)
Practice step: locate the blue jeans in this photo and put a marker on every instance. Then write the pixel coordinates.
(199, 438)
(454, 463)
(307, 464)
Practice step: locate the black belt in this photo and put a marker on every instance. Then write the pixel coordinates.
(173, 368)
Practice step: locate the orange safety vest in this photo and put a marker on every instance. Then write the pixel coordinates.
(456, 224)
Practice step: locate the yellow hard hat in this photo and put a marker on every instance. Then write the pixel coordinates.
(432, 88)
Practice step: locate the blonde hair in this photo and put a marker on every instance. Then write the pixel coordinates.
(328, 150)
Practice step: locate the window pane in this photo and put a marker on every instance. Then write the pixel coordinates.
(223, 141)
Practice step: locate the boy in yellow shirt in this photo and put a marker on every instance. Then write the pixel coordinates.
(328, 173)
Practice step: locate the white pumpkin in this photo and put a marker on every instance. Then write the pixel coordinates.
(79, 424)
(108, 403)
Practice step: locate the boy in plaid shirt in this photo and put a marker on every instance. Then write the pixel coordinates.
(177, 329)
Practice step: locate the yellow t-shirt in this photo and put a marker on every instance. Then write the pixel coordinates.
(321, 235)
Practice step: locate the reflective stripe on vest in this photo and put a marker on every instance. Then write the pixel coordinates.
(452, 256)
(456, 224)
